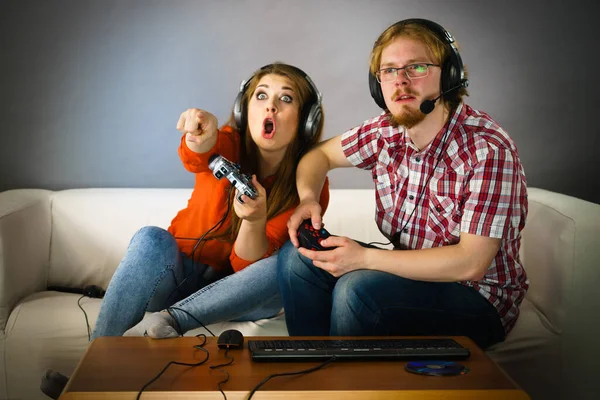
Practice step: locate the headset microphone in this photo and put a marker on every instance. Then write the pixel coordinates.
(427, 106)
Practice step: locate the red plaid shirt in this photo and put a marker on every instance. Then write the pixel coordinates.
(469, 179)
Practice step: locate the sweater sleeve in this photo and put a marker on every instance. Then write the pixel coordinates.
(277, 231)
(227, 145)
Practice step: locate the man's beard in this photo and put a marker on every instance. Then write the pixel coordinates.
(407, 118)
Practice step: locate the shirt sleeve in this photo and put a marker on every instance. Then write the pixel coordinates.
(361, 144)
(227, 145)
(277, 231)
(495, 202)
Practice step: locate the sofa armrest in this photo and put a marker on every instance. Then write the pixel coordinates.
(25, 226)
(567, 230)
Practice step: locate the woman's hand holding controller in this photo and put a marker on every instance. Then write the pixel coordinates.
(252, 210)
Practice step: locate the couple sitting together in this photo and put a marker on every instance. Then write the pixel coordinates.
(450, 196)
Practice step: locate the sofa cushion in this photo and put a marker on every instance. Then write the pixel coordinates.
(91, 229)
(548, 255)
(531, 353)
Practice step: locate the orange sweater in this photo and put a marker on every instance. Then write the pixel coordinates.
(208, 204)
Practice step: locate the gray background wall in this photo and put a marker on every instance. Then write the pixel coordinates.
(90, 91)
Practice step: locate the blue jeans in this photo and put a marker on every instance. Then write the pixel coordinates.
(375, 303)
(154, 275)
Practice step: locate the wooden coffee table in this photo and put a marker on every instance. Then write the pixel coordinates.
(118, 367)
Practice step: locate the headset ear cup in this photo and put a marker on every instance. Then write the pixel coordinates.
(453, 74)
(310, 116)
(450, 77)
(446, 75)
(238, 112)
(376, 93)
(308, 123)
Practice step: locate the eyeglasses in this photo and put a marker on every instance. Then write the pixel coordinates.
(412, 71)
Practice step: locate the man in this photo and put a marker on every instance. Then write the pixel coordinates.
(451, 196)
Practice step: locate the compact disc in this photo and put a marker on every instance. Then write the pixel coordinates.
(436, 368)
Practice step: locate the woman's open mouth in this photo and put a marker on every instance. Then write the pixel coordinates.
(268, 128)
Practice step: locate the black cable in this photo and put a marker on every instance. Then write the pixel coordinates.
(374, 243)
(198, 346)
(87, 323)
(179, 327)
(230, 358)
(199, 240)
(446, 134)
(420, 195)
(306, 371)
(225, 372)
(437, 161)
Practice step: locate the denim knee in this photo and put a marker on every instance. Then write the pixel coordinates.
(348, 290)
(288, 260)
(151, 248)
(152, 235)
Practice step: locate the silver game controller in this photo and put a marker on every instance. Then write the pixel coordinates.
(222, 167)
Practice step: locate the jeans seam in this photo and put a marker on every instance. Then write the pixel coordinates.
(376, 314)
(202, 290)
(161, 276)
(436, 310)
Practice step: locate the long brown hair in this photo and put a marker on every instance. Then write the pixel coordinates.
(283, 194)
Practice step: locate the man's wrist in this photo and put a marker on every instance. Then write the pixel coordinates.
(371, 257)
(307, 198)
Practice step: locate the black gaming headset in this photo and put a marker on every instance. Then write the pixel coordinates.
(453, 71)
(310, 115)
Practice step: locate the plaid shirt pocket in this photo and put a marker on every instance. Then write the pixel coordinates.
(440, 217)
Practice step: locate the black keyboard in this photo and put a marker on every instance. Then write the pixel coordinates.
(357, 349)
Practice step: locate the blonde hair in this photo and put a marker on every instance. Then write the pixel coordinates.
(439, 50)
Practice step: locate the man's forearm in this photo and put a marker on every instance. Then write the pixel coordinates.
(313, 168)
(310, 175)
(440, 264)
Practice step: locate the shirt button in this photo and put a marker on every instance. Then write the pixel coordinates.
(411, 197)
(438, 209)
(405, 230)
(418, 159)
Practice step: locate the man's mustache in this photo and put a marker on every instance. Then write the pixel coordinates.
(399, 93)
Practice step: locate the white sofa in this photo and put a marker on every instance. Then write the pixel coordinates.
(77, 237)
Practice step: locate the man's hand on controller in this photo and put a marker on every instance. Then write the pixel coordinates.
(347, 257)
(305, 210)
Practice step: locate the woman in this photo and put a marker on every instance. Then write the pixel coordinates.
(217, 260)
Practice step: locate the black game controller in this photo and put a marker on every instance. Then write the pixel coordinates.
(310, 238)
(222, 167)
